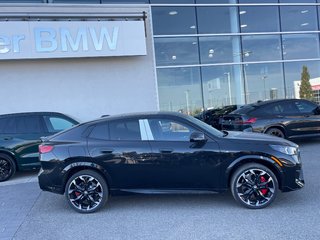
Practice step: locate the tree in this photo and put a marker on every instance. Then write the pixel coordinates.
(305, 86)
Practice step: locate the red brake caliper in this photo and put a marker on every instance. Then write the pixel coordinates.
(77, 194)
(265, 190)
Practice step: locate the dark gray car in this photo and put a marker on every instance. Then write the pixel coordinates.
(286, 118)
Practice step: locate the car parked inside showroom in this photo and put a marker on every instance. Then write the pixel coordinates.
(165, 153)
(20, 136)
(285, 118)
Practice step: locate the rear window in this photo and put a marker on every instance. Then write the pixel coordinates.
(245, 109)
(125, 130)
(56, 124)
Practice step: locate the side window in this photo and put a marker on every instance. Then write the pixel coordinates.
(288, 108)
(28, 124)
(305, 107)
(57, 124)
(100, 131)
(10, 125)
(169, 130)
(2, 124)
(124, 130)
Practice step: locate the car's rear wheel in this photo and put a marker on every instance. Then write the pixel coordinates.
(254, 186)
(7, 167)
(86, 191)
(275, 132)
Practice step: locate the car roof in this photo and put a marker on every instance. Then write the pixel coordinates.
(30, 113)
(139, 115)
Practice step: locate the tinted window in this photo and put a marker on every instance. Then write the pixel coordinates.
(168, 130)
(56, 124)
(10, 125)
(305, 107)
(2, 124)
(281, 108)
(100, 131)
(245, 109)
(28, 124)
(125, 130)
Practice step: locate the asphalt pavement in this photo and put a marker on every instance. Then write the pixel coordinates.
(28, 213)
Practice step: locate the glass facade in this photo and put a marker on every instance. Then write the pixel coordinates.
(237, 53)
(212, 53)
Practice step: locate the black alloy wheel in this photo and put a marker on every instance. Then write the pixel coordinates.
(254, 186)
(7, 167)
(275, 132)
(86, 191)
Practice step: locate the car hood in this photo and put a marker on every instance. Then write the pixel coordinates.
(268, 139)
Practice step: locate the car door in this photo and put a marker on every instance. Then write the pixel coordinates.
(307, 118)
(176, 162)
(25, 140)
(121, 147)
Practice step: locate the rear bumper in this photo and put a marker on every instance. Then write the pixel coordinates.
(46, 184)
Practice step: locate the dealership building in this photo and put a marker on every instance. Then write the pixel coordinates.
(91, 58)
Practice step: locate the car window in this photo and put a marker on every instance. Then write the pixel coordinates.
(100, 131)
(9, 125)
(124, 130)
(169, 130)
(2, 124)
(28, 124)
(305, 107)
(57, 124)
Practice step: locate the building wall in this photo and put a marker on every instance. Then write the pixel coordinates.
(85, 88)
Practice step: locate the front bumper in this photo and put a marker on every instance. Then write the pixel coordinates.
(293, 179)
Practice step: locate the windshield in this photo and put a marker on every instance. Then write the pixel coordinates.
(206, 127)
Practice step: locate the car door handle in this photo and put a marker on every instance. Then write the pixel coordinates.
(166, 150)
(106, 151)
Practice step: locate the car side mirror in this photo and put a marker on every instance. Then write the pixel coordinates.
(197, 137)
(317, 110)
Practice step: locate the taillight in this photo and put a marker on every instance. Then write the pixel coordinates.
(45, 148)
(250, 120)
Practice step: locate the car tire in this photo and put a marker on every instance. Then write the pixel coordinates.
(276, 132)
(7, 167)
(86, 191)
(254, 186)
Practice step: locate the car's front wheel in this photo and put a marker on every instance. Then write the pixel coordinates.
(7, 167)
(86, 191)
(254, 186)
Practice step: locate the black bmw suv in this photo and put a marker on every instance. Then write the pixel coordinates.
(285, 118)
(20, 136)
(165, 153)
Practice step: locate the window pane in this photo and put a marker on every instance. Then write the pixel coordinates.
(168, 130)
(299, 46)
(176, 51)
(3, 122)
(293, 72)
(259, 19)
(261, 48)
(264, 81)
(171, 1)
(124, 1)
(298, 18)
(28, 124)
(180, 90)
(217, 19)
(101, 132)
(258, 1)
(297, 1)
(219, 49)
(55, 124)
(10, 126)
(174, 20)
(305, 107)
(77, 1)
(222, 85)
(125, 130)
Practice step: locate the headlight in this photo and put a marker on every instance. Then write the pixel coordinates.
(285, 149)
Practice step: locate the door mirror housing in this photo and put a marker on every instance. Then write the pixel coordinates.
(197, 137)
